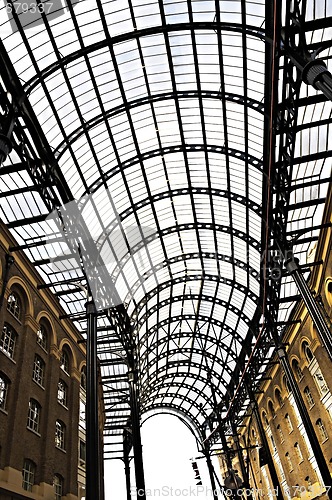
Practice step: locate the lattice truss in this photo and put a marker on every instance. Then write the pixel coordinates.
(151, 118)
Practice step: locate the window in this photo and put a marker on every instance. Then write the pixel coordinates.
(60, 431)
(320, 382)
(298, 452)
(3, 391)
(8, 340)
(265, 418)
(58, 486)
(34, 415)
(281, 434)
(309, 397)
(271, 409)
(297, 370)
(64, 362)
(322, 430)
(38, 370)
(307, 352)
(82, 453)
(279, 398)
(14, 305)
(289, 423)
(83, 378)
(62, 393)
(289, 462)
(28, 475)
(274, 448)
(42, 337)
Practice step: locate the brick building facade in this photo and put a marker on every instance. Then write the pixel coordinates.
(42, 364)
(294, 461)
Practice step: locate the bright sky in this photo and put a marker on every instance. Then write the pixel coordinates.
(168, 446)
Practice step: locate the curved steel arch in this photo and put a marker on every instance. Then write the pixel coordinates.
(163, 151)
(183, 374)
(190, 297)
(190, 422)
(162, 380)
(97, 120)
(29, 86)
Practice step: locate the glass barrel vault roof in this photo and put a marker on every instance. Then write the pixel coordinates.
(154, 112)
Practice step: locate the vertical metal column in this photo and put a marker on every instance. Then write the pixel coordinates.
(292, 266)
(316, 448)
(92, 422)
(127, 444)
(265, 444)
(127, 474)
(137, 444)
(245, 476)
(210, 469)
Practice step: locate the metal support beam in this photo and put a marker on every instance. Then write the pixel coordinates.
(127, 444)
(93, 457)
(137, 444)
(316, 448)
(292, 266)
(244, 474)
(265, 444)
(9, 262)
(211, 473)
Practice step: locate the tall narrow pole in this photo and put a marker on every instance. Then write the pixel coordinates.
(127, 475)
(92, 423)
(265, 444)
(127, 444)
(210, 469)
(244, 474)
(137, 444)
(292, 266)
(317, 451)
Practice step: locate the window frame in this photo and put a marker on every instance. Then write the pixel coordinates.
(15, 311)
(58, 486)
(38, 373)
(28, 474)
(322, 430)
(64, 362)
(34, 412)
(3, 390)
(60, 435)
(8, 340)
(63, 401)
(42, 339)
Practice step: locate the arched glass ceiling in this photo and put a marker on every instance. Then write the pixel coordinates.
(154, 112)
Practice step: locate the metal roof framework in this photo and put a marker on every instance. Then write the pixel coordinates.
(159, 133)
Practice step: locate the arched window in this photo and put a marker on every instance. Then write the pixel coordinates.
(64, 362)
(271, 409)
(322, 430)
(14, 305)
(8, 340)
(309, 397)
(60, 434)
(34, 415)
(307, 352)
(3, 391)
(289, 423)
(297, 370)
(320, 382)
(38, 370)
(274, 447)
(278, 397)
(42, 337)
(62, 393)
(265, 420)
(28, 474)
(298, 452)
(281, 434)
(289, 462)
(83, 378)
(58, 486)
